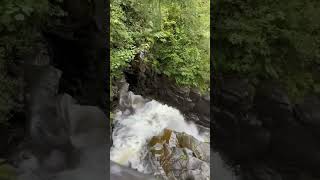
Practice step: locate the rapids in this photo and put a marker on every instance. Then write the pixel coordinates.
(132, 131)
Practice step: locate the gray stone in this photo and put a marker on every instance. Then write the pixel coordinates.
(185, 158)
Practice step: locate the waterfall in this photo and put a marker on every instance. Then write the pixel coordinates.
(134, 128)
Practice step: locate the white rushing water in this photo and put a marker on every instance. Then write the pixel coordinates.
(132, 132)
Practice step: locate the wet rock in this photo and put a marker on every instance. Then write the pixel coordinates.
(183, 91)
(128, 101)
(195, 95)
(176, 155)
(201, 150)
(202, 107)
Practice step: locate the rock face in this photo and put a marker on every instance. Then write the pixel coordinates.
(263, 132)
(176, 155)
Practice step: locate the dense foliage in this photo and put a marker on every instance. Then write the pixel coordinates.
(16, 40)
(173, 37)
(265, 39)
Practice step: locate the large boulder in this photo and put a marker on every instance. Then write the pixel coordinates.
(176, 155)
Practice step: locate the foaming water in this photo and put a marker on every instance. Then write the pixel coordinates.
(131, 132)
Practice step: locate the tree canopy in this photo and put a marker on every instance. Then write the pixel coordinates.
(174, 37)
(277, 40)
